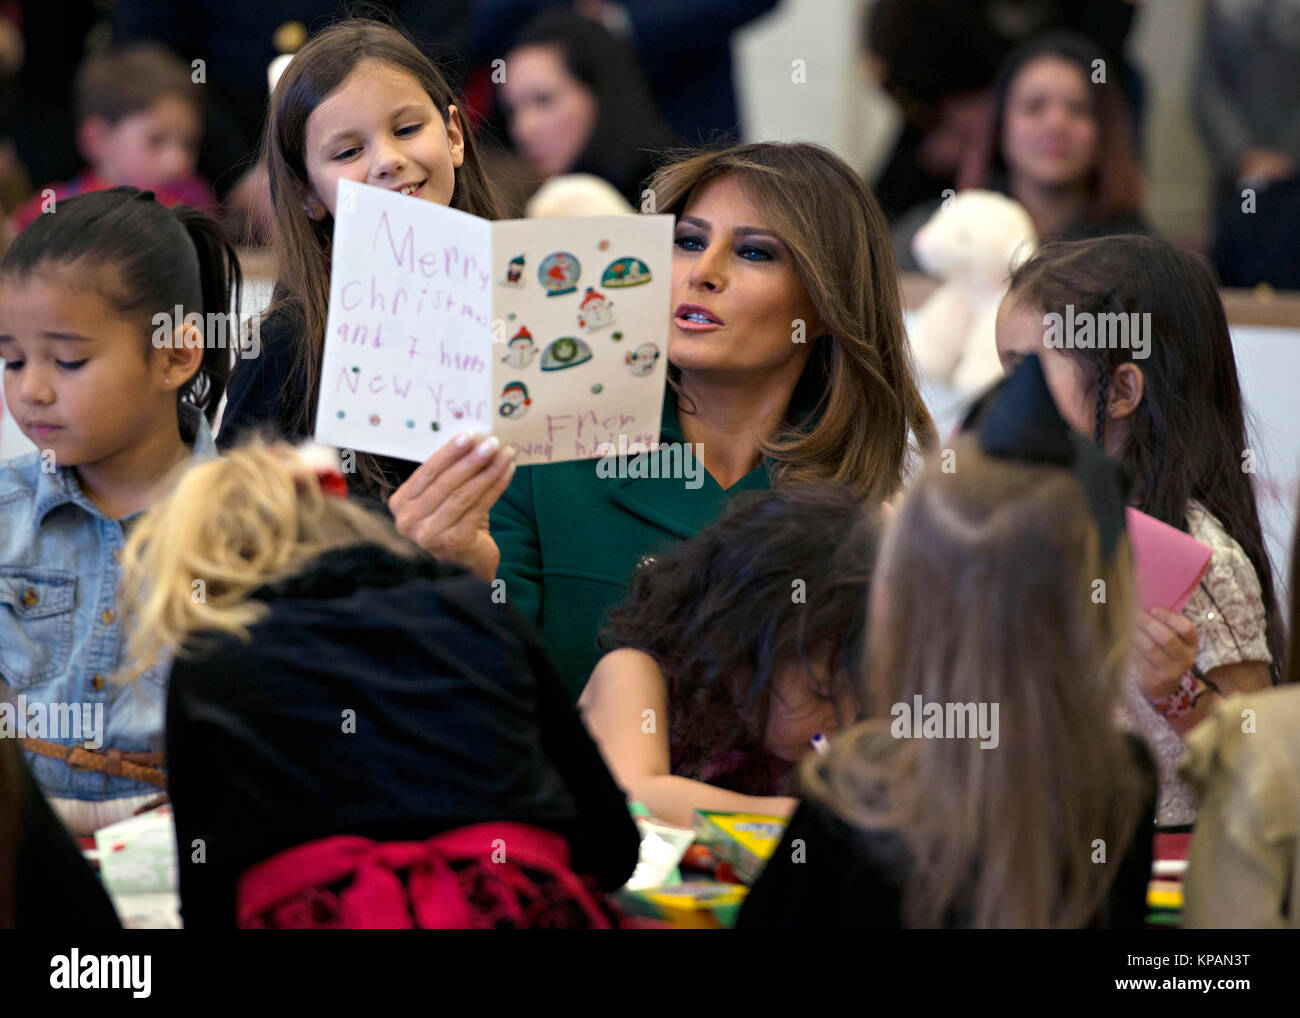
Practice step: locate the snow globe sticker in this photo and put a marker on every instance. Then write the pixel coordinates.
(521, 349)
(566, 352)
(596, 311)
(514, 400)
(625, 272)
(641, 361)
(558, 273)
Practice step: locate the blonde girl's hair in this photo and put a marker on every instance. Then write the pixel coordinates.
(302, 245)
(988, 595)
(834, 229)
(230, 525)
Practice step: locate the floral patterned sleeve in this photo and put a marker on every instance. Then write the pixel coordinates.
(1226, 608)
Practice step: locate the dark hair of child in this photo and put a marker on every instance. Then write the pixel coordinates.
(150, 259)
(781, 580)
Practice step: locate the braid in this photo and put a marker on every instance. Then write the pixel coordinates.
(1103, 388)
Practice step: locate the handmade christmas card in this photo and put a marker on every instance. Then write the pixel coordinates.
(549, 333)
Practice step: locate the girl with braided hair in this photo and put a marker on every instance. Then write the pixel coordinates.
(1168, 405)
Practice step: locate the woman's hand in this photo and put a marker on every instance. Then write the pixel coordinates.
(1164, 648)
(443, 506)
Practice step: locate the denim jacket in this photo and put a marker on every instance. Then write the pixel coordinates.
(61, 635)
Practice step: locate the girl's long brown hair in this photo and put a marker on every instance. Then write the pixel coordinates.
(302, 244)
(988, 576)
(832, 225)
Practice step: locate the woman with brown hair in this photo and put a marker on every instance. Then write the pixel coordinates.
(788, 364)
(1058, 140)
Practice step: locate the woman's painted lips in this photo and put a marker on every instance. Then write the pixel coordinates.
(695, 318)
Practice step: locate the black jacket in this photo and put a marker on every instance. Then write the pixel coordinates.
(847, 877)
(383, 697)
(265, 397)
(54, 887)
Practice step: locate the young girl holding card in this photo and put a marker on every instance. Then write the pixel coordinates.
(357, 734)
(114, 402)
(357, 102)
(787, 364)
(1168, 405)
(1025, 806)
(733, 650)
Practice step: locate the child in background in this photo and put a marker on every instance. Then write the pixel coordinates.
(357, 102)
(982, 599)
(742, 643)
(139, 121)
(1167, 404)
(113, 405)
(342, 705)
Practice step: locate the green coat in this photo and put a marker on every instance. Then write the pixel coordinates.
(570, 541)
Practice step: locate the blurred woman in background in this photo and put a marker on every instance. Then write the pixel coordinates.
(1059, 141)
(576, 101)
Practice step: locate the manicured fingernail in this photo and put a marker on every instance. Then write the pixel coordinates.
(464, 439)
(511, 452)
(488, 447)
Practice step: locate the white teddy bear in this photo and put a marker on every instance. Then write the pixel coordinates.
(972, 243)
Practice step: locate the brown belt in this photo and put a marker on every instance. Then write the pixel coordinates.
(145, 767)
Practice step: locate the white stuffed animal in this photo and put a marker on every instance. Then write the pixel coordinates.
(576, 194)
(972, 243)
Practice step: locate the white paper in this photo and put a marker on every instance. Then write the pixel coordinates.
(550, 333)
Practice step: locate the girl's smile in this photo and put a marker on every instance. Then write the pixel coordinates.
(380, 127)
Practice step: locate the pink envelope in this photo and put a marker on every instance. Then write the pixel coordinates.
(1167, 564)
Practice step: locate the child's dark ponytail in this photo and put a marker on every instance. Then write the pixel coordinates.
(221, 281)
(158, 259)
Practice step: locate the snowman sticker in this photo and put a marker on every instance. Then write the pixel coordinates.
(641, 361)
(596, 311)
(514, 400)
(521, 349)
